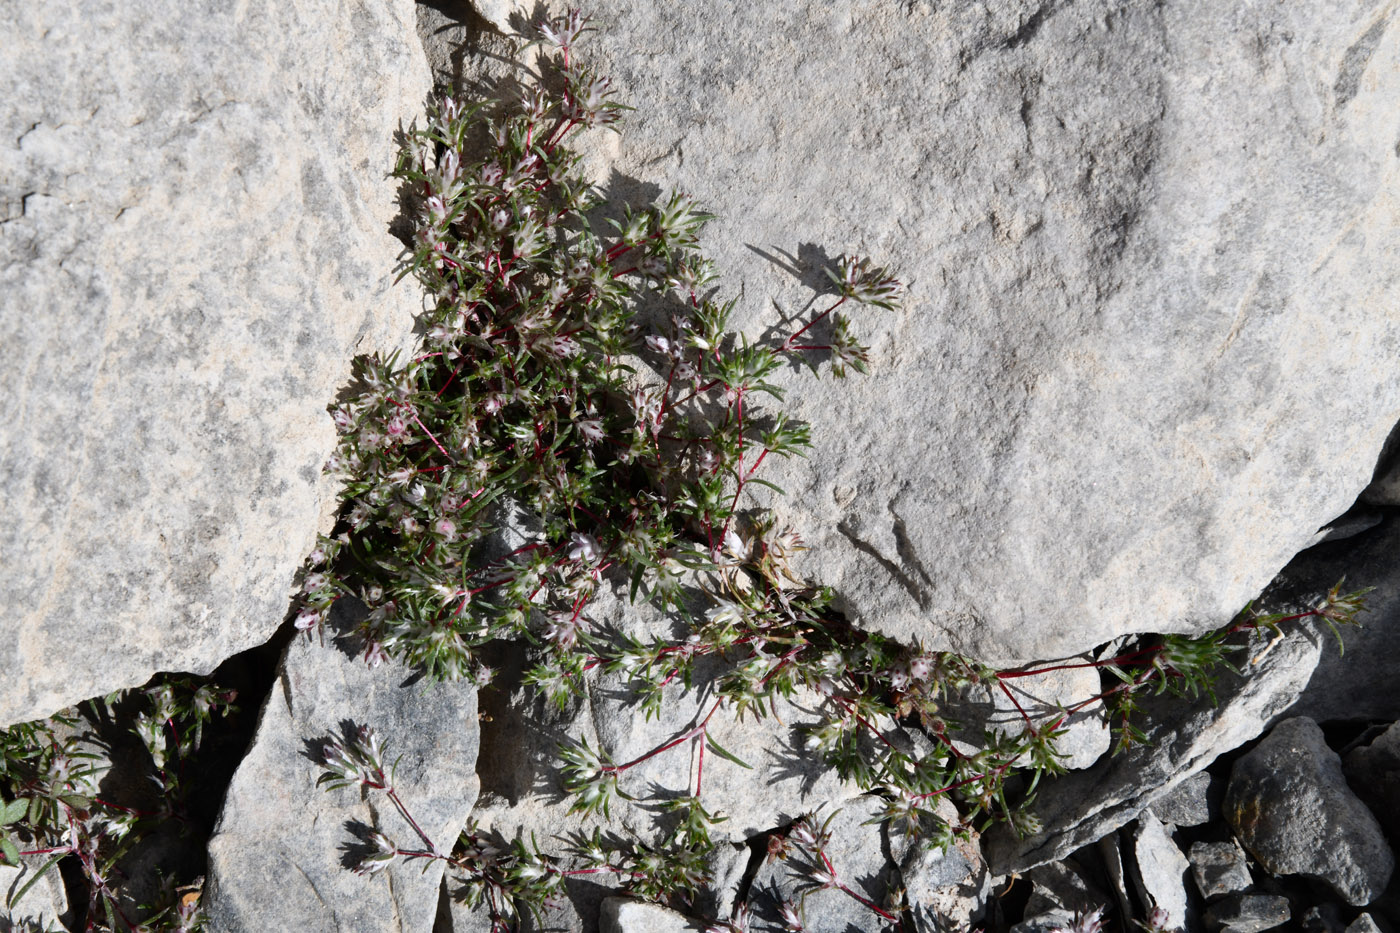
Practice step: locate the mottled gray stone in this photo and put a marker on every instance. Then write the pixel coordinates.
(1183, 737)
(1219, 868)
(946, 889)
(625, 915)
(1054, 921)
(1062, 886)
(282, 843)
(1189, 804)
(1160, 870)
(1324, 918)
(1136, 237)
(1248, 913)
(194, 243)
(1291, 808)
(1373, 771)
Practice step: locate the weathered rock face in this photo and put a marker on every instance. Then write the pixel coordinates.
(284, 846)
(1292, 809)
(194, 242)
(1141, 242)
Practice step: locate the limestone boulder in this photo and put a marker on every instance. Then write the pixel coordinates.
(1148, 344)
(194, 243)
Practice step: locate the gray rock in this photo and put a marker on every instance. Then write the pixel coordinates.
(1248, 913)
(282, 843)
(1364, 923)
(1189, 804)
(1110, 852)
(945, 889)
(1063, 887)
(1357, 683)
(1160, 870)
(194, 242)
(1291, 808)
(1099, 411)
(1220, 868)
(1039, 699)
(1373, 771)
(625, 915)
(859, 853)
(43, 907)
(1183, 737)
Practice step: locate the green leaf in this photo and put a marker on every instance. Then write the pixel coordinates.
(9, 850)
(718, 750)
(32, 881)
(13, 811)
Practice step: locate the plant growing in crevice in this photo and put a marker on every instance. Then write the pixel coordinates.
(589, 379)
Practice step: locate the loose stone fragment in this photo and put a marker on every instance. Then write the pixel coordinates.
(1291, 807)
(1373, 771)
(1219, 868)
(1248, 913)
(1188, 804)
(625, 915)
(1161, 869)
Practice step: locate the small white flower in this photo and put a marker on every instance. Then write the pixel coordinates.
(584, 547)
(307, 619)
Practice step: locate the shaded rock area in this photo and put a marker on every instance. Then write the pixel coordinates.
(194, 243)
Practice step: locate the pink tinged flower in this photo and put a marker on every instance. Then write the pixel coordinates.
(491, 175)
(397, 427)
(584, 547)
(343, 418)
(409, 525)
(591, 429)
(659, 345)
(562, 630)
(707, 461)
(447, 528)
(791, 917)
(500, 219)
(921, 667)
(307, 619)
(375, 654)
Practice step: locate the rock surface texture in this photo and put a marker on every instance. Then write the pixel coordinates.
(1292, 809)
(284, 846)
(1137, 239)
(194, 242)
